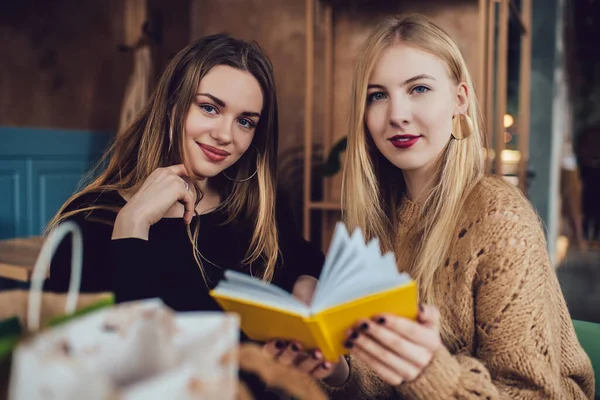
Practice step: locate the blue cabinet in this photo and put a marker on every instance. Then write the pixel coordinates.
(13, 195)
(39, 170)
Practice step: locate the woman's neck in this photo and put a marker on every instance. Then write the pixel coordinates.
(211, 198)
(416, 180)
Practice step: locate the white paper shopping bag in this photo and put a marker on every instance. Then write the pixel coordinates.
(207, 357)
(139, 347)
(133, 349)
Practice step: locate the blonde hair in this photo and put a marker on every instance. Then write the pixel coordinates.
(372, 188)
(146, 145)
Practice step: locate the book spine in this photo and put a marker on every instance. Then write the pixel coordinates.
(318, 329)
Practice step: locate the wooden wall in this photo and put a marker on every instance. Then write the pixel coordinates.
(61, 67)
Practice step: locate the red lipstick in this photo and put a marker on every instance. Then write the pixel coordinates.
(212, 153)
(404, 141)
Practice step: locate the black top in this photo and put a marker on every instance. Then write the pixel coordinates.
(164, 266)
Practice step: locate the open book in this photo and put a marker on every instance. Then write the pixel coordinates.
(356, 282)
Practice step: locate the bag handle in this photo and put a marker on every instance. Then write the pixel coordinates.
(42, 265)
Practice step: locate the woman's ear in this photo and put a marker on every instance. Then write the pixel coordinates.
(462, 98)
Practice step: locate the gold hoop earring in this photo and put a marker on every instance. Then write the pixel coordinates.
(251, 176)
(462, 126)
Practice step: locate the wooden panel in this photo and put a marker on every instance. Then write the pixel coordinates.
(524, 93)
(39, 170)
(42, 143)
(60, 64)
(501, 85)
(18, 257)
(53, 183)
(488, 102)
(308, 110)
(135, 14)
(13, 199)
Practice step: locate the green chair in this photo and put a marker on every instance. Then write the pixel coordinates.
(588, 334)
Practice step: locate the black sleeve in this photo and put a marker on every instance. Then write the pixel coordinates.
(300, 257)
(123, 267)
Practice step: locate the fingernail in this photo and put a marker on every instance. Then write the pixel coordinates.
(325, 366)
(354, 335)
(279, 344)
(295, 347)
(316, 355)
(364, 326)
(348, 344)
(381, 320)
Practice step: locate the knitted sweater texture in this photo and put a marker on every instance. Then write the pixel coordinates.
(502, 299)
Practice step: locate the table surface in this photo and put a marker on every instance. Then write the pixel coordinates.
(18, 257)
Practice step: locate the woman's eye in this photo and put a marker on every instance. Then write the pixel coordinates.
(420, 89)
(208, 108)
(376, 97)
(246, 123)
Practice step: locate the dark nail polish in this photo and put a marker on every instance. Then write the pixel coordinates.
(279, 344)
(381, 320)
(294, 347)
(364, 326)
(353, 335)
(348, 344)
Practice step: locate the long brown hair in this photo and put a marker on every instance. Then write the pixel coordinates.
(146, 145)
(372, 188)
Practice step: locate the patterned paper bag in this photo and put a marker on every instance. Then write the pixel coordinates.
(23, 313)
(134, 350)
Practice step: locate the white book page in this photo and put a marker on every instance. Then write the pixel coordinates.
(339, 243)
(359, 271)
(339, 252)
(351, 264)
(352, 269)
(372, 278)
(241, 286)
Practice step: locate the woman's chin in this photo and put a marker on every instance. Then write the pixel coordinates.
(203, 171)
(406, 164)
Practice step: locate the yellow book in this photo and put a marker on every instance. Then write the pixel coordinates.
(357, 282)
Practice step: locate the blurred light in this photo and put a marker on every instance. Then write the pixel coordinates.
(511, 156)
(508, 120)
(562, 245)
(507, 137)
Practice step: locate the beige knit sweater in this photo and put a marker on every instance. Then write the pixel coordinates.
(502, 298)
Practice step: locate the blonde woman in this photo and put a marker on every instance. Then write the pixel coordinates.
(415, 178)
(189, 188)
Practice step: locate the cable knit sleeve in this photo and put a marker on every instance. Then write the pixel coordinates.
(525, 345)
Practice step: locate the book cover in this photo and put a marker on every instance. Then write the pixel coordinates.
(357, 282)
